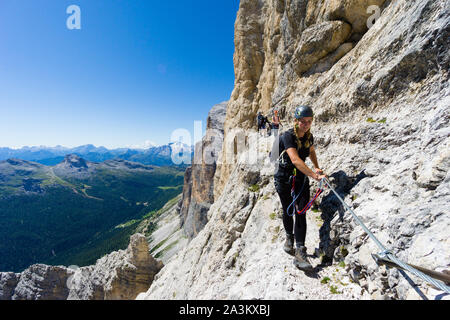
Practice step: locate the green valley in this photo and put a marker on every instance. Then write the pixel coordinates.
(76, 211)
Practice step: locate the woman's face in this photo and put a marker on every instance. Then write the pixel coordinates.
(304, 124)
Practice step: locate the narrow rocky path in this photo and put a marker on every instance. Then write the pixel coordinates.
(283, 280)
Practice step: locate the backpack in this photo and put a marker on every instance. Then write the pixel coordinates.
(260, 119)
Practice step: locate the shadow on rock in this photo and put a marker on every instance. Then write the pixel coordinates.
(330, 207)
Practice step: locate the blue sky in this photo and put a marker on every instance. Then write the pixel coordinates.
(136, 71)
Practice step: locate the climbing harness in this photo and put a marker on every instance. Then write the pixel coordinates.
(386, 254)
(295, 196)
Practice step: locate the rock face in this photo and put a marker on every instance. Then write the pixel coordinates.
(318, 41)
(38, 282)
(168, 238)
(381, 133)
(198, 190)
(120, 275)
(356, 12)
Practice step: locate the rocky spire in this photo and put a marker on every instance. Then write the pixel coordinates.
(120, 275)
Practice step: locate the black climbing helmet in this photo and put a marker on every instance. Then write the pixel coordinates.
(303, 112)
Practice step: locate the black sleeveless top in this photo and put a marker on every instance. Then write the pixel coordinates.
(285, 166)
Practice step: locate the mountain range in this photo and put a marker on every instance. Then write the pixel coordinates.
(155, 155)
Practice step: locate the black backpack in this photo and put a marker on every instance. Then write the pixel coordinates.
(260, 119)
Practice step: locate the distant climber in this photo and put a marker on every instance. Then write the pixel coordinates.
(292, 183)
(275, 122)
(261, 120)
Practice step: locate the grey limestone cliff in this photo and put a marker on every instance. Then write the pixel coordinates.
(120, 275)
(198, 190)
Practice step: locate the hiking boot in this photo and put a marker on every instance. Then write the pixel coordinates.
(301, 260)
(289, 244)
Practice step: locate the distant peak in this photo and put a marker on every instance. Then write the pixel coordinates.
(75, 161)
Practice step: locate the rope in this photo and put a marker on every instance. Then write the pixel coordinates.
(385, 252)
(295, 197)
(309, 204)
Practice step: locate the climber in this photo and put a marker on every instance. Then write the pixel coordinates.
(275, 123)
(262, 120)
(295, 146)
